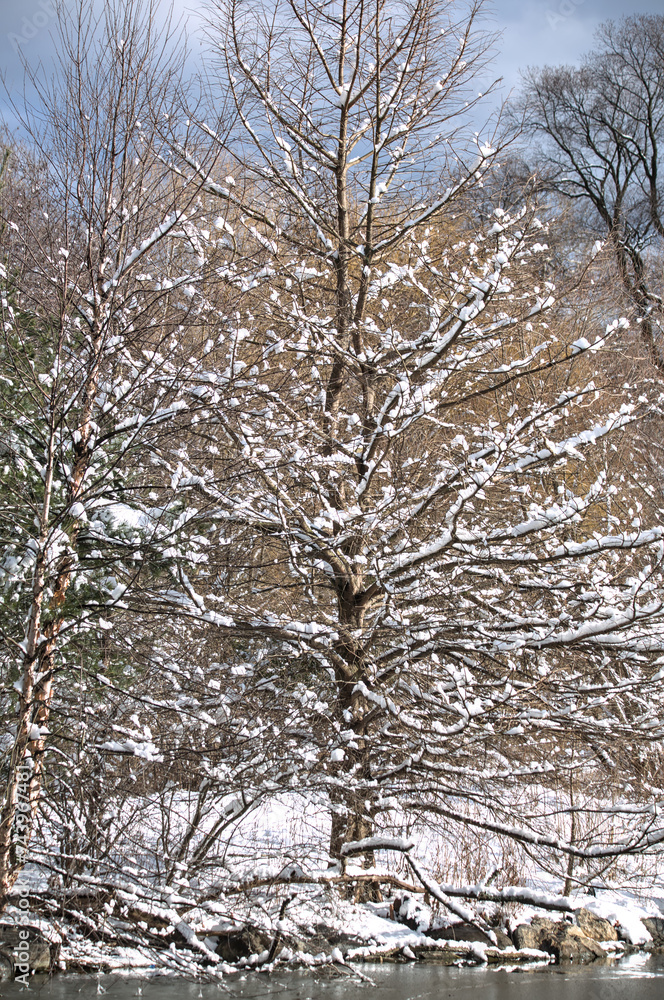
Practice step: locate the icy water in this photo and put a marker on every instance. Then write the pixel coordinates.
(637, 978)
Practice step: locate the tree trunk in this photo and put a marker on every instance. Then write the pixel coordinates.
(26, 766)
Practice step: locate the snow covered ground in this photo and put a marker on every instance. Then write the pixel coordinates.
(276, 882)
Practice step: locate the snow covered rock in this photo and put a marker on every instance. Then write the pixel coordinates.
(413, 913)
(625, 914)
(233, 945)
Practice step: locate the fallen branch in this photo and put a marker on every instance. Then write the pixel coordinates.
(259, 883)
(510, 894)
(459, 911)
(354, 847)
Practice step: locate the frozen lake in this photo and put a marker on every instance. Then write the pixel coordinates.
(637, 978)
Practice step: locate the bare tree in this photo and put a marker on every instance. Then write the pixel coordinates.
(603, 126)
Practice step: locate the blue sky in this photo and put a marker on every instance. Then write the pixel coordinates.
(539, 32)
(535, 32)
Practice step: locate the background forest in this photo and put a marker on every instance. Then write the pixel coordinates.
(331, 452)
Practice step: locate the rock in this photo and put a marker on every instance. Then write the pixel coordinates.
(459, 932)
(39, 949)
(528, 935)
(570, 944)
(325, 939)
(596, 928)
(565, 941)
(655, 927)
(510, 956)
(240, 944)
(451, 954)
(88, 966)
(503, 940)
(413, 913)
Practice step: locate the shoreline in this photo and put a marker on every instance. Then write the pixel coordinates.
(339, 935)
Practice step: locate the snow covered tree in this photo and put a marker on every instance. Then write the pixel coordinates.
(447, 584)
(100, 257)
(318, 442)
